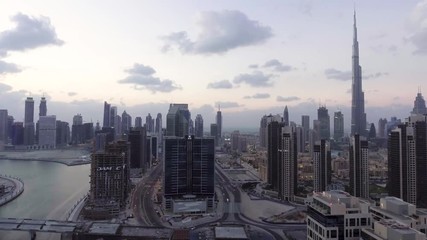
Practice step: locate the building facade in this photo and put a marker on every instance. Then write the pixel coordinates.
(337, 215)
(322, 165)
(359, 167)
(189, 174)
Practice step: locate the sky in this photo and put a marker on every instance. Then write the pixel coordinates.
(249, 57)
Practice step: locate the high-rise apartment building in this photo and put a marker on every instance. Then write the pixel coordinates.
(358, 115)
(47, 132)
(177, 120)
(324, 123)
(109, 181)
(407, 161)
(274, 137)
(359, 167)
(288, 164)
(29, 127)
(189, 174)
(107, 110)
(43, 107)
(263, 129)
(198, 126)
(338, 126)
(322, 165)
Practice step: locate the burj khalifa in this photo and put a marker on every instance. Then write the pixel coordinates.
(358, 115)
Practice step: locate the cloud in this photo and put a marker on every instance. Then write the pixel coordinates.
(253, 66)
(219, 32)
(71, 94)
(332, 73)
(4, 88)
(258, 96)
(418, 19)
(142, 78)
(287, 99)
(306, 6)
(8, 68)
(278, 66)
(374, 75)
(347, 75)
(29, 33)
(255, 79)
(228, 104)
(224, 84)
(141, 69)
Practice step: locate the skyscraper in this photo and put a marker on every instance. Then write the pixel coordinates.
(274, 136)
(263, 128)
(29, 122)
(138, 122)
(381, 127)
(305, 123)
(159, 123)
(419, 104)
(149, 123)
(358, 115)
(198, 126)
(214, 132)
(126, 122)
(106, 122)
(113, 114)
(42, 107)
(177, 120)
(288, 164)
(359, 168)
(3, 127)
(338, 126)
(407, 155)
(219, 124)
(322, 165)
(138, 147)
(324, 123)
(286, 116)
(189, 174)
(47, 132)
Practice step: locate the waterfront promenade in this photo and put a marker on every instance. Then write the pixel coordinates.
(13, 187)
(69, 157)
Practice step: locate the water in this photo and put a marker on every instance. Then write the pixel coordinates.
(51, 190)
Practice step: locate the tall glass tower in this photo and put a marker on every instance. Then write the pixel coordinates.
(358, 115)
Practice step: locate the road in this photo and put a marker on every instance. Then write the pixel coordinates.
(232, 211)
(142, 203)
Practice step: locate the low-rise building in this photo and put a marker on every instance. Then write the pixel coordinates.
(337, 215)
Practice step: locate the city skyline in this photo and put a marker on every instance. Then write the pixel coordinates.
(273, 62)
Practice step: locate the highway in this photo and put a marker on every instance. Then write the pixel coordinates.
(142, 204)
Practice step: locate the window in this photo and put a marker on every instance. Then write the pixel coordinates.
(352, 222)
(363, 222)
(333, 233)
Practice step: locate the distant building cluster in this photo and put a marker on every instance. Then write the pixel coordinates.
(46, 133)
